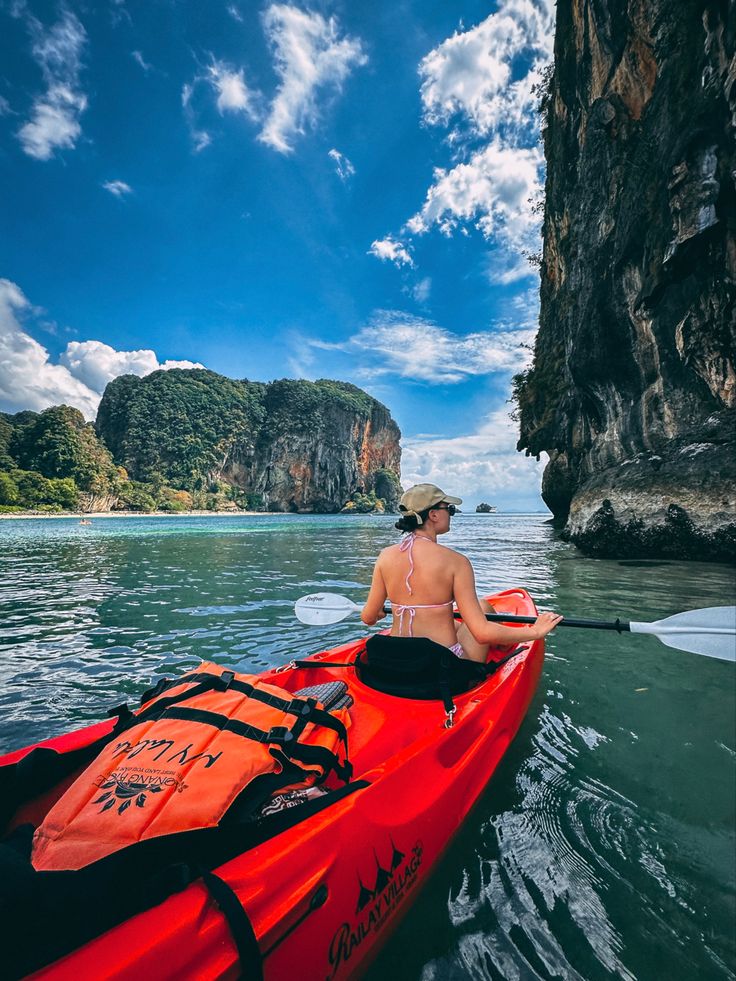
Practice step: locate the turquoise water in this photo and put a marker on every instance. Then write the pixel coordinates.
(603, 847)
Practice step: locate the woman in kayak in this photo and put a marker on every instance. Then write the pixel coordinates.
(423, 579)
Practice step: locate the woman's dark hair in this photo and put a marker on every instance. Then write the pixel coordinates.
(408, 522)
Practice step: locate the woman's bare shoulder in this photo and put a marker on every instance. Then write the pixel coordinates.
(388, 552)
(450, 555)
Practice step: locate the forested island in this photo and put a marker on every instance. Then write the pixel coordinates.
(190, 439)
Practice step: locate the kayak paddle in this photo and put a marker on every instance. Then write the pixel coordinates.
(711, 632)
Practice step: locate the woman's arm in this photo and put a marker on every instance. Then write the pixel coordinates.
(495, 634)
(373, 611)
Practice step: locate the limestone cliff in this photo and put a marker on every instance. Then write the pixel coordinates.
(320, 444)
(286, 446)
(633, 391)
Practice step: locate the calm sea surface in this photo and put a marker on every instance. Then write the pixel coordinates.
(604, 846)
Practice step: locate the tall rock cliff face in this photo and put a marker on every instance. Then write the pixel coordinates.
(320, 444)
(633, 391)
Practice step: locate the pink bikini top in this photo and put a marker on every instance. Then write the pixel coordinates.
(401, 608)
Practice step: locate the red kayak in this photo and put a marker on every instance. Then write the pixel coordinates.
(329, 883)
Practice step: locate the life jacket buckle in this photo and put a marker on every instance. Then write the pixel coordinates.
(301, 706)
(450, 717)
(280, 735)
(226, 679)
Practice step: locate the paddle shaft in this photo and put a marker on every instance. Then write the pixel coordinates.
(617, 624)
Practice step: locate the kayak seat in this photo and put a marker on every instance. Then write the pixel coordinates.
(415, 667)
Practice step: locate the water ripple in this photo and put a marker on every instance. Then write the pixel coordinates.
(603, 847)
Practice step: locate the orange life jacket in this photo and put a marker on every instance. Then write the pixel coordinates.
(193, 749)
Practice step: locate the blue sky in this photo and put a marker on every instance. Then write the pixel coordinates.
(270, 190)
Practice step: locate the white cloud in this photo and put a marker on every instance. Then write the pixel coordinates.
(54, 122)
(471, 74)
(422, 289)
(391, 250)
(28, 378)
(396, 343)
(480, 85)
(233, 95)
(235, 13)
(483, 464)
(493, 189)
(200, 137)
(343, 167)
(310, 57)
(138, 57)
(505, 268)
(95, 364)
(5, 109)
(118, 188)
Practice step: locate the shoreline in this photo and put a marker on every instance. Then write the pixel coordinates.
(94, 515)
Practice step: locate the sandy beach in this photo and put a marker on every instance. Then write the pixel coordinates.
(94, 515)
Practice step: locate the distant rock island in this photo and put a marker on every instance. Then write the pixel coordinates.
(484, 508)
(192, 439)
(632, 391)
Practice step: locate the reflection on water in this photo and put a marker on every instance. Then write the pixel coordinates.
(604, 845)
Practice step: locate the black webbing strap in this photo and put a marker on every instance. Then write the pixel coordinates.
(313, 756)
(287, 740)
(445, 686)
(293, 706)
(279, 734)
(157, 709)
(492, 666)
(321, 664)
(249, 953)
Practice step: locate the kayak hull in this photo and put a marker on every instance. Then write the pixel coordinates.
(325, 894)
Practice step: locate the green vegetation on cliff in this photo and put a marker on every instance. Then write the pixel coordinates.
(178, 426)
(184, 439)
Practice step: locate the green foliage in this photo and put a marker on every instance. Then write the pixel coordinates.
(112, 415)
(58, 443)
(173, 501)
(165, 441)
(6, 432)
(134, 496)
(348, 396)
(179, 426)
(303, 408)
(388, 486)
(9, 493)
(365, 504)
(36, 492)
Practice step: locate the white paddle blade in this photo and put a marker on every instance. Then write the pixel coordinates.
(711, 631)
(320, 609)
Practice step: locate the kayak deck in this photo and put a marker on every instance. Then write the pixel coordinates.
(323, 894)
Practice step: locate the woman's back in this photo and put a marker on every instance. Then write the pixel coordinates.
(419, 575)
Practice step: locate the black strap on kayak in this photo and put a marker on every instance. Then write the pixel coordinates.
(249, 953)
(227, 682)
(287, 740)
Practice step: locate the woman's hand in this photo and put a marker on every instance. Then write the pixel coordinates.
(546, 622)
